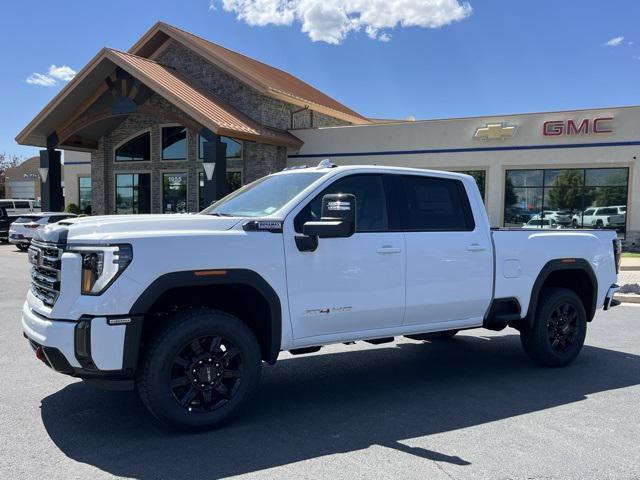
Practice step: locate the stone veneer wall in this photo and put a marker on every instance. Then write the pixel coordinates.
(258, 159)
(104, 167)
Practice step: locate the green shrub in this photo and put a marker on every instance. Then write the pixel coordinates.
(73, 208)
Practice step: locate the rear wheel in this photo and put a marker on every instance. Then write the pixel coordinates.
(199, 370)
(559, 328)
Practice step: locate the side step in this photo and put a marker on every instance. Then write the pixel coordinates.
(302, 351)
(378, 341)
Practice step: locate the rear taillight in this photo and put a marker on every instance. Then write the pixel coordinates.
(31, 225)
(617, 253)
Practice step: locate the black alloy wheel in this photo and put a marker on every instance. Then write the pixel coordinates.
(206, 373)
(562, 327)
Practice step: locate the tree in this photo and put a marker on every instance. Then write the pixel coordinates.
(568, 191)
(7, 161)
(510, 196)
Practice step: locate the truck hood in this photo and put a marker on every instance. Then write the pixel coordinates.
(117, 227)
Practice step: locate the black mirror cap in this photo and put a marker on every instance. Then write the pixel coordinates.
(339, 206)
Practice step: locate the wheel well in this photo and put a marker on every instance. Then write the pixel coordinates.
(240, 300)
(577, 280)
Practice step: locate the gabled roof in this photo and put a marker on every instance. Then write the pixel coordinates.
(190, 97)
(260, 76)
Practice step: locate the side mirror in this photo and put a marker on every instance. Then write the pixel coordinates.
(338, 219)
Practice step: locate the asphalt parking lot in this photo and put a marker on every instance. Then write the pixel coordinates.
(469, 408)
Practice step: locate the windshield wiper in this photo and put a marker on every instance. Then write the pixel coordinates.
(218, 214)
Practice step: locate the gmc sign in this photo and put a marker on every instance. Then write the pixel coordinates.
(587, 126)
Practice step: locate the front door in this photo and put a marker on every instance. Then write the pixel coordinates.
(350, 284)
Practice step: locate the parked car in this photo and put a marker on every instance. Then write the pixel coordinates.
(599, 217)
(19, 206)
(24, 227)
(185, 308)
(547, 223)
(562, 217)
(5, 221)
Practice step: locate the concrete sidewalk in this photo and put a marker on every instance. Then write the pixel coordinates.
(630, 264)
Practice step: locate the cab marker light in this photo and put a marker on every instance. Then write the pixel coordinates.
(568, 260)
(208, 273)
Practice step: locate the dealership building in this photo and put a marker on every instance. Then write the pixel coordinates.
(177, 122)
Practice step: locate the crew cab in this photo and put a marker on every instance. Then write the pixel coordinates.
(186, 308)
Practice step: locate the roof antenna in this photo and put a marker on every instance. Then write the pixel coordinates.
(326, 163)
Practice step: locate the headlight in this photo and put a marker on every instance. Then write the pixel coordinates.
(101, 265)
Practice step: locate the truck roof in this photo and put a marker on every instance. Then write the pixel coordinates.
(382, 168)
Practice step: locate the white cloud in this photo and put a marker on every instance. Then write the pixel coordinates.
(62, 72)
(40, 79)
(332, 20)
(614, 42)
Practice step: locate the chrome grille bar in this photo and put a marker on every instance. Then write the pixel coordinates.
(46, 259)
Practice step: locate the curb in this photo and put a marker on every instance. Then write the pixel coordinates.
(627, 297)
(630, 268)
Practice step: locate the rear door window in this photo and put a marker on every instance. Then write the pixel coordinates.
(436, 204)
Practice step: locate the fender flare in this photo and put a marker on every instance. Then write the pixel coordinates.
(196, 278)
(560, 264)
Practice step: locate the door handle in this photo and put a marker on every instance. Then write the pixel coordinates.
(387, 249)
(476, 247)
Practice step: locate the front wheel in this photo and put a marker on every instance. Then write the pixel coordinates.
(559, 328)
(199, 369)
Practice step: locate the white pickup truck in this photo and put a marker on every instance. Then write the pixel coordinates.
(187, 307)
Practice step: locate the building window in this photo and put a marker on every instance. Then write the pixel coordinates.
(234, 148)
(133, 193)
(480, 178)
(567, 198)
(234, 182)
(174, 192)
(174, 143)
(84, 194)
(137, 149)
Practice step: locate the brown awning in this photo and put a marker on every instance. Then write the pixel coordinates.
(187, 95)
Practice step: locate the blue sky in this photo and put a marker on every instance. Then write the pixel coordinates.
(498, 56)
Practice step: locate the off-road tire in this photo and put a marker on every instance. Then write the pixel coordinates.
(553, 340)
(158, 369)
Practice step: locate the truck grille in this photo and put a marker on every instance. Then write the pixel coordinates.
(46, 259)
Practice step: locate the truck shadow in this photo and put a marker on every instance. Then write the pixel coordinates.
(309, 407)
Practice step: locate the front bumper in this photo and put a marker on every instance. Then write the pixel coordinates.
(91, 348)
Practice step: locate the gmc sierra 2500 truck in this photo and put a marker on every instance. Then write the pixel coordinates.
(185, 308)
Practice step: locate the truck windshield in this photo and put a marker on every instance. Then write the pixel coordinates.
(264, 196)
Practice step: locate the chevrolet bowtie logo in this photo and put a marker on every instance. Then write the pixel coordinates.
(495, 131)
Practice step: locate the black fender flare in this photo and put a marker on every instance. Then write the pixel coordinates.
(199, 278)
(563, 264)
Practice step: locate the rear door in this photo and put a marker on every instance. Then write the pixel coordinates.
(449, 255)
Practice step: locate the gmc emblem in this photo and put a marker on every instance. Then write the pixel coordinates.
(553, 128)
